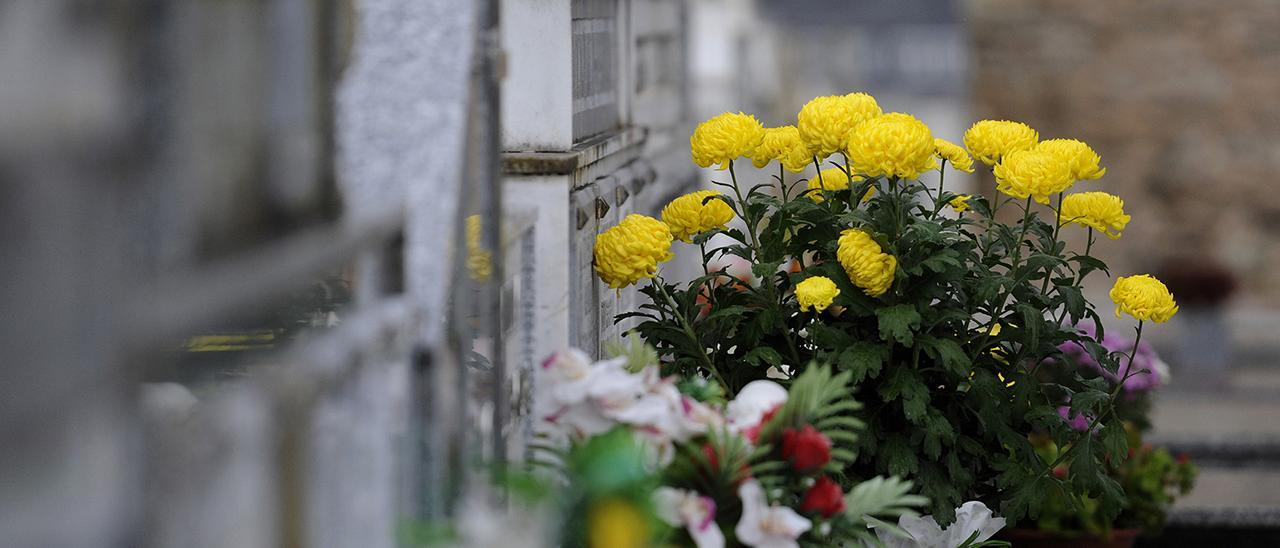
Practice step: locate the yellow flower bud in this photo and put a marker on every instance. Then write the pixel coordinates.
(831, 180)
(867, 266)
(991, 140)
(1144, 298)
(782, 144)
(825, 122)
(479, 260)
(816, 293)
(725, 138)
(689, 215)
(1032, 173)
(893, 145)
(951, 152)
(1081, 160)
(631, 250)
(1099, 210)
(960, 203)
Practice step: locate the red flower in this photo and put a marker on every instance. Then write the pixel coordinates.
(807, 449)
(823, 498)
(753, 433)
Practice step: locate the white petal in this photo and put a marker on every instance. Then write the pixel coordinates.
(667, 502)
(748, 528)
(793, 524)
(708, 536)
(753, 401)
(924, 529)
(974, 516)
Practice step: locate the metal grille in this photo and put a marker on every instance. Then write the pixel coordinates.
(595, 67)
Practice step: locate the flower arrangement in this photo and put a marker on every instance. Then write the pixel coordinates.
(936, 312)
(762, 469)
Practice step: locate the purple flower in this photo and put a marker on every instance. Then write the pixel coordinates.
(1079, 423)
(1149, 371)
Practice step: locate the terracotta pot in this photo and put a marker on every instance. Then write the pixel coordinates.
(1035, 538)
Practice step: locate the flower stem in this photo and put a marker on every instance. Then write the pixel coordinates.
(1057, 225)
(688, 330)
(782, 181)
(742, 204)
(942, 174)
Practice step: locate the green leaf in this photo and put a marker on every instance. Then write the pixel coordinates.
(1084, 402)
(1115, 442)
(897, 323)
(881, 496)
(828, 337)
(947, 351)
(897, 457)
(726, 311)
(1073, 300)
(862, 360)
(1089, 264)
(763, 355)
(905, 384)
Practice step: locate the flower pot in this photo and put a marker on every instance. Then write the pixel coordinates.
(1036, 538)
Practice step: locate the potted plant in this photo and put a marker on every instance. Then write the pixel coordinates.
(1151, 477)
(938, 312)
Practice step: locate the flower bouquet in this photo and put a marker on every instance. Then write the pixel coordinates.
(934, 312)
(760, 470)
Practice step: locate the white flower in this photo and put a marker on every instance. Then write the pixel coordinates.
(753, 401)
(564, 384)
(694, 512)
(925, 532)
(765, 526)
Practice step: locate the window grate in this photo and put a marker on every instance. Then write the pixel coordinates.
(595, 67)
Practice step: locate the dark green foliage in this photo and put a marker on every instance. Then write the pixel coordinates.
(948, 403)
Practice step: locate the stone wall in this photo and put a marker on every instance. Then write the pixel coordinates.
(1180, 97)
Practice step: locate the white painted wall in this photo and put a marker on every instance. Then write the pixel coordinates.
(537, 92)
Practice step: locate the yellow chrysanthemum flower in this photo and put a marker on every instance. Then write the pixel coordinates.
(991, 140)
(479, 261)
(615, 523)
(816, 293)
(631, 250)
(833, 179)
(1099, 210)
(1082, 160)
(960, 203)
(782, 144)
(694, 213)
(867, 266)
(1035, 173)
(825, 122)
(893, 145)
(954, 154)
(1144, 298)
(725, 138)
